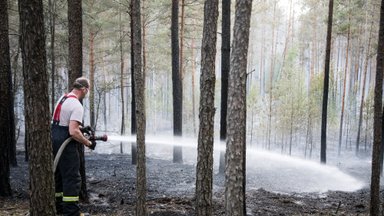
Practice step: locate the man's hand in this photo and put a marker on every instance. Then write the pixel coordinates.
(93, 145)
(74, 131)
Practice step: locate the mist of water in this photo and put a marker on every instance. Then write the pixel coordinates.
(265, 169)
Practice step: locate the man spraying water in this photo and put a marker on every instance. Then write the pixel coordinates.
(66, 135)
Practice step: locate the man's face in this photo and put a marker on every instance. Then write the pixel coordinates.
(85, 92)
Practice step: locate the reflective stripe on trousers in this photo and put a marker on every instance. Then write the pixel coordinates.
(70, 198)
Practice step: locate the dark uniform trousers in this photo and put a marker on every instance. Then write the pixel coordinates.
(67, 176)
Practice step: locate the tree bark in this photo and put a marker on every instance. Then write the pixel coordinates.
(52, 19)
(363, 89)
(323, 150)
(193, 86)
(377, 120)
(37, 114)
(181, 52)
(176, 82)
(204, 168)
(122, 128)
(236, 147)
(5, 97)
(143, 30)
(139, 78)
(133, 102)
(92, 118)
(225, 66)
(269, 129)
(75, 38)
(75, 65)
(344, 89)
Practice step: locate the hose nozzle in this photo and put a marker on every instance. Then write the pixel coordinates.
(102, 138)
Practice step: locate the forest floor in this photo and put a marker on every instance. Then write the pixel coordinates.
(170, 191)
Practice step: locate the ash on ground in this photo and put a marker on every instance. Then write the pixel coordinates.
(170, 191)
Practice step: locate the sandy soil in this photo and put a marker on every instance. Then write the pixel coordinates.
(111, 186)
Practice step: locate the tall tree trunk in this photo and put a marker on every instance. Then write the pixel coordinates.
(271, 77)
(311, 75)
(75, 37)
(262, 59)
(75, 65)
(236, 146)
(287, 37)
(104, 93)
(323, 150)
(52, 19)
(176, 83)
(193, 86)
(344, 89)
(363, 88)
(122, 128)
(225, 66)
(377, 121)
(92, 78)
(133, 102)
(37, 114)
(139, 78)
(143, 30)
(204, 168)
(12, 91)
(181, 52)
(5, 97)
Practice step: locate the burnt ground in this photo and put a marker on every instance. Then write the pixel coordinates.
(170, 191)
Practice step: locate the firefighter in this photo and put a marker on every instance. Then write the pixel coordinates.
(66, 122)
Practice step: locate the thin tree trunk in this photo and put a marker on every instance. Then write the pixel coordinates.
(133, 102)
(52, 8)
(271, 77)
(92, 78)
(122, 128)
(291, 128)
(344, 89)
(262, 63)
(75, 42)
(193, 86)
(377, 121)
(12, 89)
(287, 37)
(141, 181)
(181, 52)
(204, 168)
(323, 151)
(235, 203)
(143, 30)
(104, 98)
(176, 83)
(75, 70)
(225, 66)
(363, 88)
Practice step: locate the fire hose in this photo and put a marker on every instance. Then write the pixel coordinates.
(88, 132)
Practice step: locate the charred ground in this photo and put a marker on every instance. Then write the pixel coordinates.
(111, 186)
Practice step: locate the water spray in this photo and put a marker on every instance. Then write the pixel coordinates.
(89, 133)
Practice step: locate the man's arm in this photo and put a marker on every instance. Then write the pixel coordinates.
(74, 131)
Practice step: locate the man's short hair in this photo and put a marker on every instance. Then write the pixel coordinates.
(81, 82)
